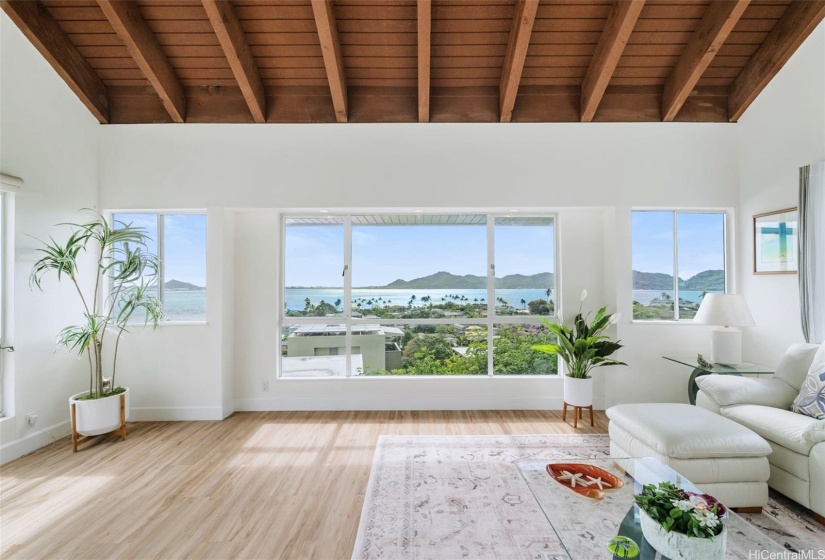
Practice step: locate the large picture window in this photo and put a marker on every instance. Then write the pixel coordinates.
(180, 242)
(417, 294)
(678, 257)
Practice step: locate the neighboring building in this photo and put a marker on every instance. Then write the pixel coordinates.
(375, 345)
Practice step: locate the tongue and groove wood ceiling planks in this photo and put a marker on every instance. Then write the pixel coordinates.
(306, 61)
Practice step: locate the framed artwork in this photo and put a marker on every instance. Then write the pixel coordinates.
(775, 241)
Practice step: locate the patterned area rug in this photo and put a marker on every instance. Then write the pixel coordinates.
(446, 497)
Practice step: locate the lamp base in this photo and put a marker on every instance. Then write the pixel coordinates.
(726, 346)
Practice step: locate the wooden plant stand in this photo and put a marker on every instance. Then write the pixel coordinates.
(578, 412)
(77, 438)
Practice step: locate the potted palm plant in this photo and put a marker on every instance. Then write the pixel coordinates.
(582, 347)
(126, 275)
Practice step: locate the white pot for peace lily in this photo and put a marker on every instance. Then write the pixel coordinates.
(98, 416)
(578, 392)
(678, 546)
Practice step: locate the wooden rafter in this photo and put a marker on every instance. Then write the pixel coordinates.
(424, 14)
(39, 27)
(799, 21)
(233, 42)
(128, 22)
(718, 22)
(522, 27)
(617, 31)
(331, 49)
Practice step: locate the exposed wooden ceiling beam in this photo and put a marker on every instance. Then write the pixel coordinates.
(616, 32)
(233, 41)
(425, 8)
(142, 45)
(717, 23)
(799, 20)
(523, 19)
(331, 49)
(39, 27)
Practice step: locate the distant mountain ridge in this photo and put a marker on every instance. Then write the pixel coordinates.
(178, 285)
(446, 281)
(705, 281)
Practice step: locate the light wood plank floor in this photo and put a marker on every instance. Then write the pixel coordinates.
(256, 485)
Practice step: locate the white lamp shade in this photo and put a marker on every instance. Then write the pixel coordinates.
(730, 310)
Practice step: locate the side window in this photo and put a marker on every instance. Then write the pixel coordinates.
(180, 242)
(678, 257)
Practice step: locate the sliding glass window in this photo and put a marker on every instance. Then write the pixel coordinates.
(678, 257)
(416, 294)
(180, 242)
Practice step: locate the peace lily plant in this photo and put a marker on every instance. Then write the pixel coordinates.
(583, 347)
(125, 277)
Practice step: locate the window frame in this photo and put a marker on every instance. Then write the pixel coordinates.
(727, 247)
(110, 215)
(349, 321)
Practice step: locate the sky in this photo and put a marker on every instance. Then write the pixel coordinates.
(314, 255)
(184, 256)
(701, 242)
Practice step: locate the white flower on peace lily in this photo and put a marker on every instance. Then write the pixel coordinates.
(584, 295)
(699, 509)
(615, 318)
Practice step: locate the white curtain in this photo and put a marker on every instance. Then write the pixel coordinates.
(812, 251)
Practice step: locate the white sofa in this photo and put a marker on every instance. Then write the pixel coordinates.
(797, 461)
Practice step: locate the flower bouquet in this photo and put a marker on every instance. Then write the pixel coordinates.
(682, 525)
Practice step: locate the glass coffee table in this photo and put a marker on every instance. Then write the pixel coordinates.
(585, 527)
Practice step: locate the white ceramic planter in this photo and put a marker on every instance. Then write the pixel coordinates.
(678, 546)
(98, 416)
(578, 392)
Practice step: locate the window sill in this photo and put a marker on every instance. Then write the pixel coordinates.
(173, 324)
(498, 376)
(664, 322)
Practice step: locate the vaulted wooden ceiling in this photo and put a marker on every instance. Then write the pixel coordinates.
(303, 61)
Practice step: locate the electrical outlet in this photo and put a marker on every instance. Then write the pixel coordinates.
(31, 419)
(265, 386)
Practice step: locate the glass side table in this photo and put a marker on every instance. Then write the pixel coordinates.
(746, 368)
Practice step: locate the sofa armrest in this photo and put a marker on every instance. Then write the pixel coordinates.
(726, 390)
(815, 433)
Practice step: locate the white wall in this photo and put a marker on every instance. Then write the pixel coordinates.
(592, 175)
(49, 139)
(180, 371)
(782, 131)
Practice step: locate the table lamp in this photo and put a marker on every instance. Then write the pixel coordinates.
(729, 311)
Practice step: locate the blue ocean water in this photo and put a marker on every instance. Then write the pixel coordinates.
(296, 297)
(184, 305)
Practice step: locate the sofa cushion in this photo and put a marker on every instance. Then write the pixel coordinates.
(811, 398)
(795, 431)
(730, 389)
(794, 364)
(683, 431)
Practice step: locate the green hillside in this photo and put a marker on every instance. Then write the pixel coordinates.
(705, 281)
(446, 281)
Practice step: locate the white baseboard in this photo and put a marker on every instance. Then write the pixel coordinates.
(175, 413)
(34, 441)
(403, 403)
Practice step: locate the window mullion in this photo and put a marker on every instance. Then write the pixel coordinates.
(347, 272)
(676, 266)
(491, 290)
(162, 258)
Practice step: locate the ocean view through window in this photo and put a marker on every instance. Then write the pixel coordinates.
(416, 294)
(678, 257)
(179, 239)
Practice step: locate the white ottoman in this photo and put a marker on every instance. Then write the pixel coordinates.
(720, 456)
